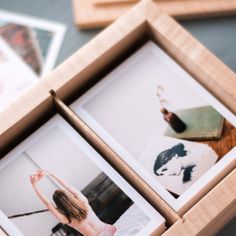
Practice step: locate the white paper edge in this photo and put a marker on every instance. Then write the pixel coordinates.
(8, 226)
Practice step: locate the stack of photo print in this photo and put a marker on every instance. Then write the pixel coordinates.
(30, 46)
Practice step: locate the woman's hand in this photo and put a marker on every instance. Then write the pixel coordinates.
(42, 173)
(34, 179)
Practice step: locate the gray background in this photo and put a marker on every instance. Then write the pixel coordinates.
(217, 34)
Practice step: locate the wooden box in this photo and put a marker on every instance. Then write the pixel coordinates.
(99, 13)
(215, 205)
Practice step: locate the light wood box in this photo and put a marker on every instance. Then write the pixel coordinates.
(215, 205)
(90, 14)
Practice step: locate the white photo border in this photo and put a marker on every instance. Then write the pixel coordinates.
(97, 159)
(8, 226)
(150, 47)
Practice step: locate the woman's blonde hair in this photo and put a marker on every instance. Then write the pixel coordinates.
(70, 206)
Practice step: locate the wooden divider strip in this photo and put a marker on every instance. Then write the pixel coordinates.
(131, 176)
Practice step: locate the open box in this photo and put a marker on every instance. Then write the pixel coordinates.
(96, 59)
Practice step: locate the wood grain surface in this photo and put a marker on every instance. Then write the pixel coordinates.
(211, 213)
(226, 142)
(90, 14)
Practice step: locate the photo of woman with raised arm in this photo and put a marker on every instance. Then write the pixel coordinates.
(72, 207)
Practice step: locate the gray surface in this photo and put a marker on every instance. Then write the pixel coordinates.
(219, 35)
(228, 230)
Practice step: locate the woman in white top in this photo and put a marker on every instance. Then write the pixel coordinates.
(72, 208)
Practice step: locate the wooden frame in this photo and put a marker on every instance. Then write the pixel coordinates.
(90, 14)
(105, 190)
(81, 70)
(130, 123)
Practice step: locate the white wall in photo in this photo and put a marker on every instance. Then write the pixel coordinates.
(17, 195)
(57, 153)
(36, 225)
(53, 152)
(125, 102)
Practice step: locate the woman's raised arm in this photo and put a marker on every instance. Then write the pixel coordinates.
(34, 179)
(69, 188)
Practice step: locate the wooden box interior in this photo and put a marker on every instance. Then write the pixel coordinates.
(87, 66)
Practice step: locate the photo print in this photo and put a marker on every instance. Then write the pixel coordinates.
(57, 184)
(13, 82)
(36, 41)
(173, 160)
(162, 123)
